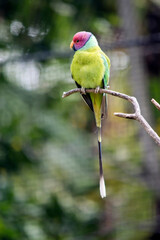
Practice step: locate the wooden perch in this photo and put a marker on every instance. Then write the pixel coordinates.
(137, 112)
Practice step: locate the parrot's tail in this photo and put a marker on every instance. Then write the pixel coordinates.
(101, 183)
(97, 102)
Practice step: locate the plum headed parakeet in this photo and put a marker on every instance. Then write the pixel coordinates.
(90, 68)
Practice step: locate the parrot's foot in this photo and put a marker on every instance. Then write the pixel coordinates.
(108, 86)
(97, 89)
(83, 91)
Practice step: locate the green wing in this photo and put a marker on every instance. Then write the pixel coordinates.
(106, 62)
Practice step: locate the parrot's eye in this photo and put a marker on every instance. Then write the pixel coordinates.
(77, 41)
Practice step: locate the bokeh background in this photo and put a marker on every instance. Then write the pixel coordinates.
(48, 146)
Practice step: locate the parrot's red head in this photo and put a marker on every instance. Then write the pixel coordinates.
(79, 40)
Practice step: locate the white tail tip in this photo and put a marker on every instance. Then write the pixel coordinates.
(102, 187)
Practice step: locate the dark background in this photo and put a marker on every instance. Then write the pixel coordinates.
(48, 148)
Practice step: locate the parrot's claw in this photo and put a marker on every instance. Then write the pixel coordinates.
(97, 89)
(83, 91)
(108, 86)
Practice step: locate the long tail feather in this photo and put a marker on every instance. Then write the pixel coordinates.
(97, 103)
(101, 183)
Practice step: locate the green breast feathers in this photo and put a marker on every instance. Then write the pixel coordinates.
(88, 68)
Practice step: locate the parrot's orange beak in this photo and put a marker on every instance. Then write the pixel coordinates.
(71, 45)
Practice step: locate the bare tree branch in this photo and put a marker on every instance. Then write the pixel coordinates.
(156, 103)
(137, 112)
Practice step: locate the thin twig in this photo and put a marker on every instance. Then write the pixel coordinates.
(137, 112)
(157, 105)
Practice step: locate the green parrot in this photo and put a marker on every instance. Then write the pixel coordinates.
(90, 68)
